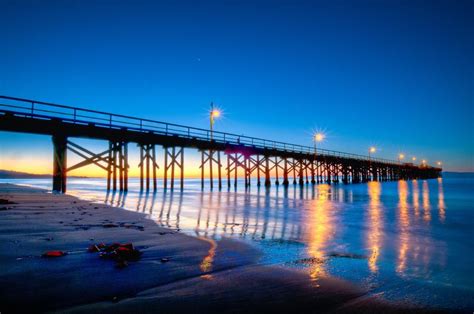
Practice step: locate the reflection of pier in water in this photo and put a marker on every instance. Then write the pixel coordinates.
(273, 214)
(308, 215)
(416, 251)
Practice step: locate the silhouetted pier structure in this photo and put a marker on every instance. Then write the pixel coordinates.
(291, 163)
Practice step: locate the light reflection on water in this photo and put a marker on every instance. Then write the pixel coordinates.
(404, 225)
(321, 230)
(375, 224)
(374, 233)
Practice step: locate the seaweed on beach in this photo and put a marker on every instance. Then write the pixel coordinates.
(5, 202)
(120, 253)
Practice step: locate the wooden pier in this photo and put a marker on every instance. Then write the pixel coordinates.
(254, 157)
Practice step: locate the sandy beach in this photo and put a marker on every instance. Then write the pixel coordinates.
(176, 272)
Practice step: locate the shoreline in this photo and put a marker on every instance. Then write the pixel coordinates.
(199, 275)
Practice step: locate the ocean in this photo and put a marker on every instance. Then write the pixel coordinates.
(407, 241)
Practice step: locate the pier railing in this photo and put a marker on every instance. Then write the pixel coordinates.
(68, 114)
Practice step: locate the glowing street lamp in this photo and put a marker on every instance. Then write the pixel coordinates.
(439, 163)
(423, 162)
(413, 158)
(371, 151)
(400, 157)
(318, 137)
(214, 113)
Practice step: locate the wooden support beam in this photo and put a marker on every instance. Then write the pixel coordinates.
(258, 171)
(277, 165)
(165, 178)
(182, 169)
(109, 166)
(141, 167)
(173, 162)
(219, 169)
(294, 171)
(300, 172)
(148, 166)
(209, 157)
(59, 163)
(235, 171)
(202, 169)
(147, 162)
(267, 172)
(211, 179)
(228, 171)
(114, 165)
(126, 166)
(120, 166)
(246, 170)
(153, 157)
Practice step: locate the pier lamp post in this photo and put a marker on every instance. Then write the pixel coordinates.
(423, 163)
(439, 163)
(371, 151)
(400, 158)
(413, 158)
(213, 114)
(318, 137)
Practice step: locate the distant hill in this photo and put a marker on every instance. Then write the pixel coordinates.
(8, 174)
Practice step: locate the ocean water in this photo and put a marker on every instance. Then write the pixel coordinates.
(409, 241)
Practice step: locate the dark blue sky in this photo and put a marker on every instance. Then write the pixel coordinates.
(395, 74)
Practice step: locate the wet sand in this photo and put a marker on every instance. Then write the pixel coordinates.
(176, 273)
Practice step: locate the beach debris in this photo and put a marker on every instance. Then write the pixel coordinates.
(49, 254)
(96, 247)
(310, 261)
(120, 253)
(163, 233)
(348, 255)
(110, 225)
(5, 202)
(132, 226)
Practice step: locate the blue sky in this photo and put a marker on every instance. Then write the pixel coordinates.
(395, 74)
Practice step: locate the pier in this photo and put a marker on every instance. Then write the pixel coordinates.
(223, 154)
